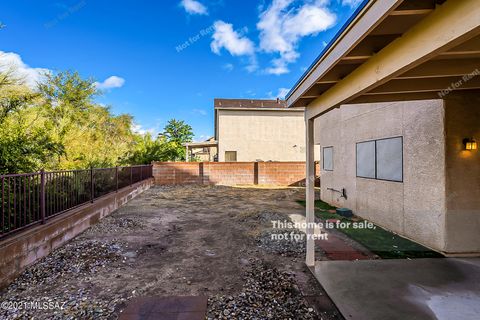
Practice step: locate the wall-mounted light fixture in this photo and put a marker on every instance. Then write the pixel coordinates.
(470, 144)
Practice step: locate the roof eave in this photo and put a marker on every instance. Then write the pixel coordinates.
(259, 109)
(381, 9)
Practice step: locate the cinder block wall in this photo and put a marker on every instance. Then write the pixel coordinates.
(227, 173)
(230, 173)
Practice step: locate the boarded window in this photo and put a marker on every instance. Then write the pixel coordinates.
(230, 156)
(381, 159)
(390, 159)
(328, 158)
(366, 159)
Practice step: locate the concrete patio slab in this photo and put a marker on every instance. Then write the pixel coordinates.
(441, 289)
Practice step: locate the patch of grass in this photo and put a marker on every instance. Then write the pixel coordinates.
(384, 243)
(325, 215)
(319, 204)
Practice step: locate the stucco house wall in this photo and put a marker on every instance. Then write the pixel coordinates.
(463, 173)
(206, 154)
(415, 207)
(265, 135)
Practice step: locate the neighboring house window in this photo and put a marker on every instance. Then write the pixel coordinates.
(328, 159)
(381, 159)
(230, 156)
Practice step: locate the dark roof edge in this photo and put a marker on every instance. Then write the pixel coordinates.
(250, 103)
(261, 109)
(246, 99)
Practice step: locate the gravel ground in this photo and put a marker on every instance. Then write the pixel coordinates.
(267, 294)
(80, 260)
(287, 246)
(186, 240)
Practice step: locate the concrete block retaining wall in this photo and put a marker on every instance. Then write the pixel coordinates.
(21, 250)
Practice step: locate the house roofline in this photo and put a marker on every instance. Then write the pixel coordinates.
(329, 46)
(261, 109)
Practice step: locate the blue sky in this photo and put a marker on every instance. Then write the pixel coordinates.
(166, 59)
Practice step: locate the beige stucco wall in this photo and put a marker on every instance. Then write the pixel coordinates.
(200, 154)
(261, 135)
(463, 173)
(415, 207)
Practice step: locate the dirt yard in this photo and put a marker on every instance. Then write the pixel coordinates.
(190, 240)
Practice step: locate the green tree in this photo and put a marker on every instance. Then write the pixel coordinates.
(90, 133)
(14, 96)
(25, 143)
(67, 100)
(147, 150)
(176, 133)
(59, 125)
(168, 146)
(103, 141)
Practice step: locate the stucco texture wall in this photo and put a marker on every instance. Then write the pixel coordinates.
(463, 173)
(262, 135)
(414, 208)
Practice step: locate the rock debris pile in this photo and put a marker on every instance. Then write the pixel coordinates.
(116, 225)
(286, 242)
(267, 294)
(80, 260)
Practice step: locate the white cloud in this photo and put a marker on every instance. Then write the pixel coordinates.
(138, 128)
(30, 76)
(153, 130)
(228, 66)
(199, 112)
(351, 3)
(282, 92)
(194, 7)
(110, 83)
(282, 25)
(225, 37)
(252, 64)
(234, 42)
(10, 61)
(202, 138)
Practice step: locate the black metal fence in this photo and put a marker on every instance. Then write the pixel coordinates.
(31, 198)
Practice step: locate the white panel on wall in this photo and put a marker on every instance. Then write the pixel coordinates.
(390, 159)
(366, 159)
(328, 158)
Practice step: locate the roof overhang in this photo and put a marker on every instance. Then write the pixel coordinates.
(395, 50)
(259, 109)
(204, 144)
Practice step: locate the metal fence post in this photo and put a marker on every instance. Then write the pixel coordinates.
(131, 176)
(92, 185)
(116, 178)
(42, 195)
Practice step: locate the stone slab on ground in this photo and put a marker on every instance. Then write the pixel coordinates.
(166, 308)
(442, 289)
(336, 248)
